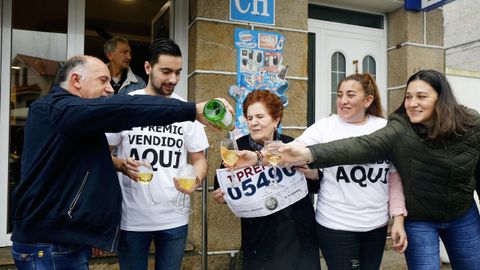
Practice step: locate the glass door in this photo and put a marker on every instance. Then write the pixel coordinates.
(4, 97)
(34, 42)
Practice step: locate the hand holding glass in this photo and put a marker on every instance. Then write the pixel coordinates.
(228, 151)
(273, 156)
(187, 176)
(145, 176)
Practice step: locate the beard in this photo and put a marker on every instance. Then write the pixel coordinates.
(161, 89)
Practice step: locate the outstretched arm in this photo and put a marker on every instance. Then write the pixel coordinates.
(293, 154)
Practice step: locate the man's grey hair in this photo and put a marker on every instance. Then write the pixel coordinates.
(111, 44)
(77, 64)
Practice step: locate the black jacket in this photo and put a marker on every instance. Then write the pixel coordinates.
(69, 191)
(437, 176)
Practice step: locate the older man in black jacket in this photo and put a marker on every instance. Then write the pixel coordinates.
(69, 199)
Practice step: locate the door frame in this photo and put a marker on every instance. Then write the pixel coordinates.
(6, 37)
(325, 29)
(180, 36)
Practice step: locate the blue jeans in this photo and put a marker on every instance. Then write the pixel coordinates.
(345, 250)
(40, 256)
(461, 237)
(133, 248)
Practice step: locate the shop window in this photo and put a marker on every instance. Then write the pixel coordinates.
(101, 24)
(337, 72)
(369, 66)
(39, 45)
(345, 16)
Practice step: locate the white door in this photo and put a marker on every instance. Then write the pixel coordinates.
(340, 50)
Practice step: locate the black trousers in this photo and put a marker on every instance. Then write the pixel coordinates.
(345, 250)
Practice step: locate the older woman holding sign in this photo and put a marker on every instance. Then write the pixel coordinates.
(278, 223)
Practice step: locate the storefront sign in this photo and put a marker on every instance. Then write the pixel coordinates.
(255, 11)
(424, 5)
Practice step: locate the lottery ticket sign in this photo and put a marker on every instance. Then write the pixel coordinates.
(250, 195)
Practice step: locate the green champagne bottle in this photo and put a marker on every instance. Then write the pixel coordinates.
(215, 112)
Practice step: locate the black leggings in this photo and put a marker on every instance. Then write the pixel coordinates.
(345, 250)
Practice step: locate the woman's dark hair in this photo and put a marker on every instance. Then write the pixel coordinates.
(449, 118)
(370, 87)
(272, 102)
(162, 46)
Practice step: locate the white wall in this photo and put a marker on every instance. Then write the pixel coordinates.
(466, 90)
(462, 34)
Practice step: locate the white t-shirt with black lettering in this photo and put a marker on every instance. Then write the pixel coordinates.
(166, 148)
(351, 197)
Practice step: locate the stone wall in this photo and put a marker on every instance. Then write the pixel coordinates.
(414, 42)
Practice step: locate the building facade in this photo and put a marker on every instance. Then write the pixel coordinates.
(325, 40)
(462, 50)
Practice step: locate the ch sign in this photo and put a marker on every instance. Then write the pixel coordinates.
(424, 5)
(255, 11)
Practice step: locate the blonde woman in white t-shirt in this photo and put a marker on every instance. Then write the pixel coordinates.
(355, 202)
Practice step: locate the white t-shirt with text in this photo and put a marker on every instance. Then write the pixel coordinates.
(351, 197)
(166, 148)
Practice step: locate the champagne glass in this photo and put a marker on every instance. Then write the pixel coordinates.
(228, 151)
(187, 176)
(145, 176)
(273, 156)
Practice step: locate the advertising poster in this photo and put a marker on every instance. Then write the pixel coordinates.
(259, 67)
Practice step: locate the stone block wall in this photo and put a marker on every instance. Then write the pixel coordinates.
(414, 42)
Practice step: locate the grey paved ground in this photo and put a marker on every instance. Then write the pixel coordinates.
(391, 260)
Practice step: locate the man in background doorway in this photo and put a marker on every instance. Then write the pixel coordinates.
(119, 54)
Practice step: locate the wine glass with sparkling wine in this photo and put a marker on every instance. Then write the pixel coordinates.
(273, 156)
(228, 151)
(145, 176)
(186, 179)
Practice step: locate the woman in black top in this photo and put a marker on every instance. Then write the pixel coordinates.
(285, 239)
